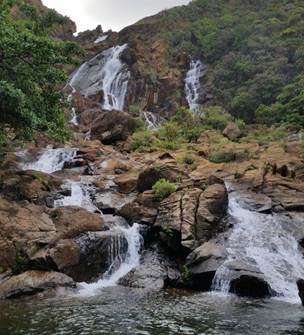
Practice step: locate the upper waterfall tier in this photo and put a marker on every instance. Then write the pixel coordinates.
(104, 73)
(193, 85)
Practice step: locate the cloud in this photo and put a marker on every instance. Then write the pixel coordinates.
(111, 14)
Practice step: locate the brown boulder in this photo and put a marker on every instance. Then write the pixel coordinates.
(189, 217)
(150, 176)
(232, 131)
(31, 282)
(113, 126)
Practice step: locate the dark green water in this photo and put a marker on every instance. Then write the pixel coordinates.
(124, 311)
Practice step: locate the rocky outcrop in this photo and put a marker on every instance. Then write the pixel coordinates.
(112, 127)
(28, 234)
(148, 177)
(156, 269)
(32, 186)
(32, 282)
(202, 265)
(190, 217)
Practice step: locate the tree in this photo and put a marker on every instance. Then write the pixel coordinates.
(32, 71)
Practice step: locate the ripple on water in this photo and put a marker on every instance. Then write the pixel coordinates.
(127, 311)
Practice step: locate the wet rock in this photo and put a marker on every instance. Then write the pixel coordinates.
(250, 286)
(202, 265)
(300, 284)
(248, 281)
(232, 131)
(156, 269)
(31, 282)
(112, 127)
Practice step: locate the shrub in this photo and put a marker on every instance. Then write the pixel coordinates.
(222, 157)
(142, 140)
(163, 188)
(216, 117)
(188, 159)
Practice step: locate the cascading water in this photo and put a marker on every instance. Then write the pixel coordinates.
(79, 197)
(193, 85)
(121, 263)
(151, 120)
(51, 160)
(104, 73)
(264, 242)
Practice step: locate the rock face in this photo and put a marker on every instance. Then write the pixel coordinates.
(154, 272)
(232, 131)
(300, 284)
(33, 186)
(31, 282)
(189, 218)
(29, 237)
(113, 126)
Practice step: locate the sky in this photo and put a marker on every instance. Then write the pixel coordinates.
(111, 14)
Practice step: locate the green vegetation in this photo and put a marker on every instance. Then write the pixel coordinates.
(163, 188)
(254, 50)
(31, 72)
(222, 156)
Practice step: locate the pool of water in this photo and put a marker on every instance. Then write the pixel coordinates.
(125, 311)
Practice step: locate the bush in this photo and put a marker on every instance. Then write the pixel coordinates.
(188, 159)
(163, 188)
(222, 157)
(142, 140)
(216, 117)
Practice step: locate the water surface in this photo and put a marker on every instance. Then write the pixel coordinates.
(127, 311)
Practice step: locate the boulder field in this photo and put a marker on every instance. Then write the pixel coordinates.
(44, 246)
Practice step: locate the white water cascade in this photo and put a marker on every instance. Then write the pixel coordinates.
(193, 85)
(151, 120)
(104, 73)
(265, 242)
(51, 160)
(121, 263)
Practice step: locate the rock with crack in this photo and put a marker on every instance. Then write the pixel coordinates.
(190, 217)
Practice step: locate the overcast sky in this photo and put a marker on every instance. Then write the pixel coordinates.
(111, 14)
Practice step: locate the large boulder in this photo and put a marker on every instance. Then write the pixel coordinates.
(202, 265)
(28, 233)
(154, 272)
(192, 216)
(33, 186)
(148, 177)
(232, 131)
(31, 282)
(113, 126)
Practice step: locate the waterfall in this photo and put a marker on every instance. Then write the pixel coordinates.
(79, 197)
(151, 120)
(100, 39)
(263, 241)
(193, 85)
(121, 263)
(104, 73)
(51, 160)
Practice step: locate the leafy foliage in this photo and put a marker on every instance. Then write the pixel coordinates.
(163, 188)
(254, 51)
(31, 71)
